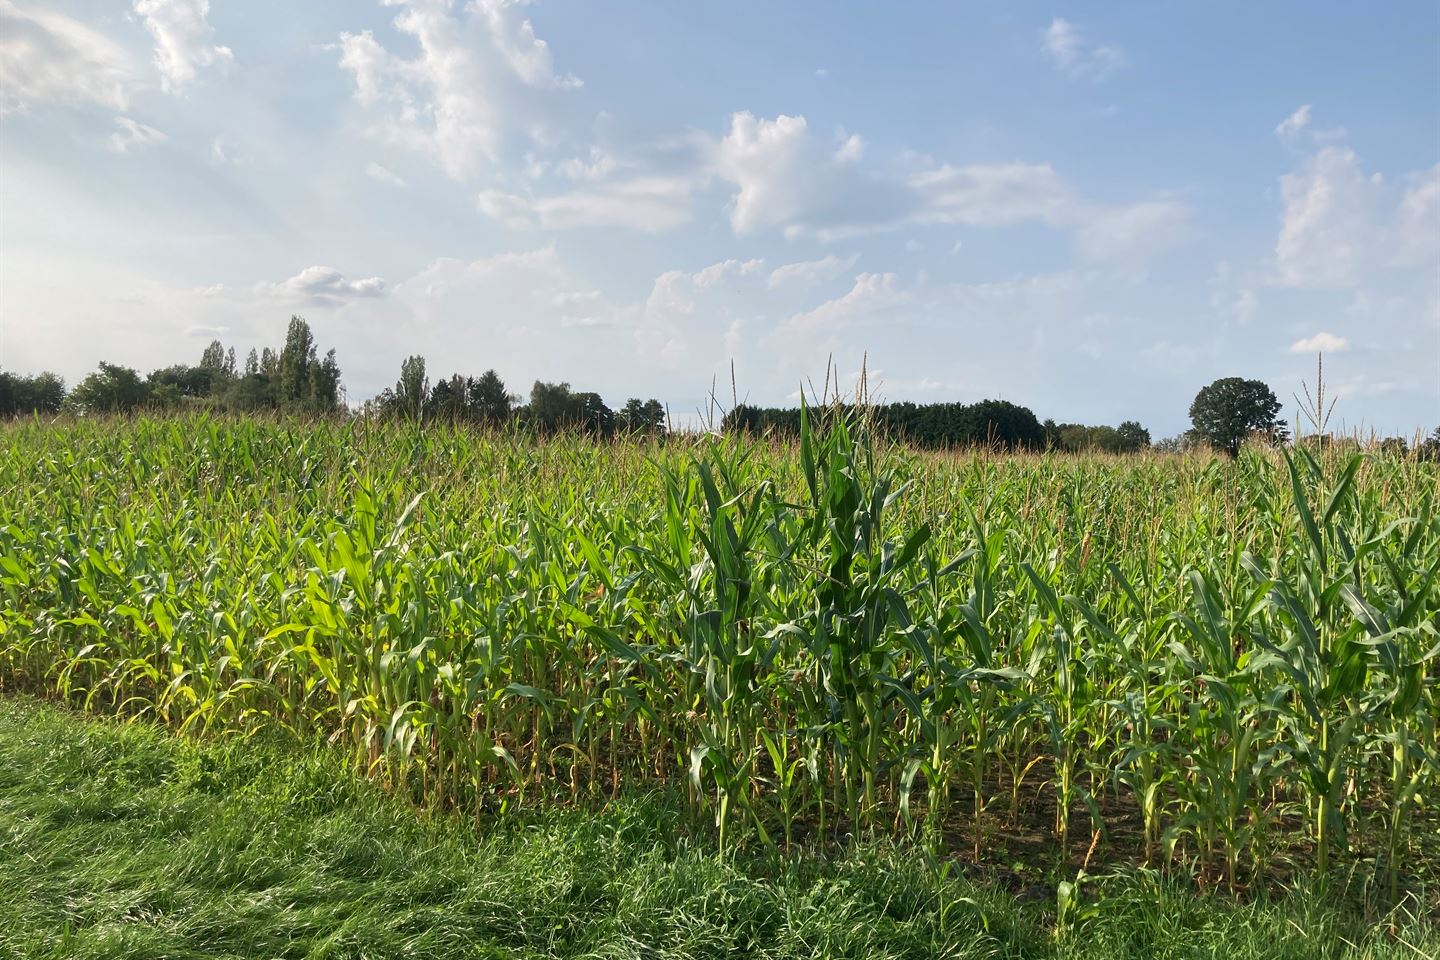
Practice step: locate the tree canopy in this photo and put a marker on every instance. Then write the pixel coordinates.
(1229, 410)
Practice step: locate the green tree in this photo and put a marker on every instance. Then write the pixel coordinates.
(182, 380)
(592, 415)
(489, 401)
(447, 399)
(325, 383)
(111, 389)
(639, 416)
(552, 406)
(1133, 437)
(1232, 408)
(42, 393)
(297, 362)
(214, 356)
(412, 389)
(1429, 448)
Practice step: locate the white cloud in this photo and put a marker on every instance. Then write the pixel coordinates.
(871, 294)
(132, 133)
(528, 55)
(183, 40)
(1068, 49)
(376, 172)
(1418, 222)
(786, 178)
(46, 57)
(1340, 225)
(1329, 222)
(326, 286)
(1291, 126)
(809, 272)
(459, 97)
(1321, 342)
(789, 180)
(648, 204)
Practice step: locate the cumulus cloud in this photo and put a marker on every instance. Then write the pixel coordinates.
(46, 57)
(1321, 342)
(326, 286)
(1077, 57)
(788, 179)
(809, 272)
(456, 99)
(1291, 126)
(785, 178)
(183, 40)
(1341, 225)
(526, 54)
(872, 293)
(132, 133)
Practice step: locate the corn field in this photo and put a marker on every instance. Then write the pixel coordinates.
(822, 640)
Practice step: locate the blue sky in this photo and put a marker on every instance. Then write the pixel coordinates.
(1090, 209)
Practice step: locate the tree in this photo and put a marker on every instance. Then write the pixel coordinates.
(181, 380)
(1133, 437)
(488, 400)
(447, 399)
(214, 356)
(593, 415)
(641, 416)
(42, 393)
(552, 406)
(1232, 408)
(297, 361)
(1429, 448)
(325, 383)
(252, 364)
(412, 389)
(112, 389)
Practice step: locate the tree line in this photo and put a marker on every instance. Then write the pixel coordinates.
(297, 379)
(484, 400)
(294, 378)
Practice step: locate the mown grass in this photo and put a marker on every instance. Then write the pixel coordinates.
(126, 841)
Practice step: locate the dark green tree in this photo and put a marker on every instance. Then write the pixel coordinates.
(412, 389)
(447, 399)
(214, 356)
(42, 393)
(325, 383)
(111, 389)
(639, 416)
(297, 363)
(1429, 448)
(1231, 409)
(592, 415)
(552, 406)
(182, 380)
(1133, 437)
(489, 402)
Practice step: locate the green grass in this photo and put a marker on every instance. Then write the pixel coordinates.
(127, 841)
